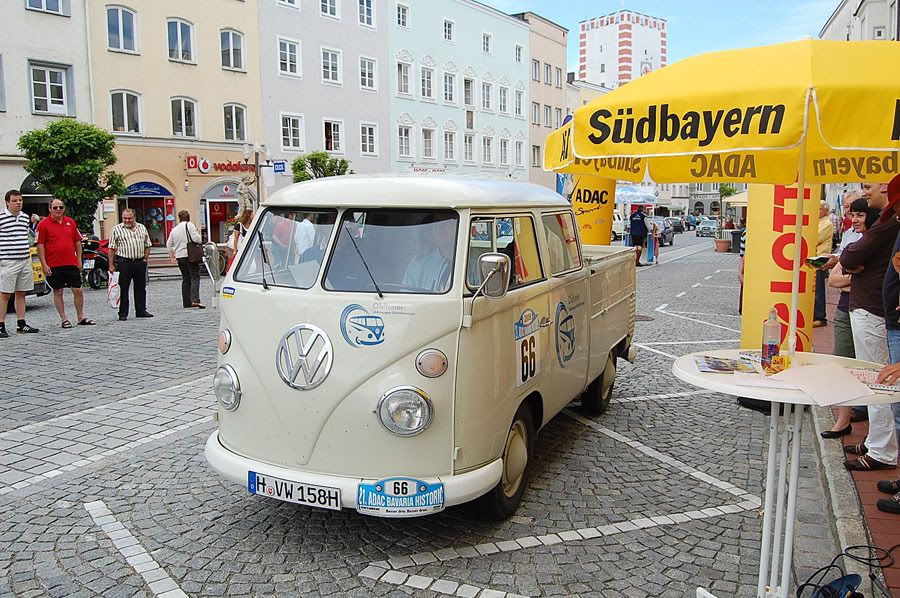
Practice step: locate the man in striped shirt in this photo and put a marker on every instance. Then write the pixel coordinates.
(16, 275)
(129, 248)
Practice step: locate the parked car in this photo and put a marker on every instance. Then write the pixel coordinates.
(677, 223)
(618, 226)
(666, 231)
(707, 228)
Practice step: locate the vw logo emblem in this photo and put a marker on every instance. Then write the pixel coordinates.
(303, 358)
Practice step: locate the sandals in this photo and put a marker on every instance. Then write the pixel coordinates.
(66, 324)
(87, 322)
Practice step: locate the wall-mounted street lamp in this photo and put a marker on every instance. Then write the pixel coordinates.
(255, 151)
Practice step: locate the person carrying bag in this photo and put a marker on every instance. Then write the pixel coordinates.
(186, 250)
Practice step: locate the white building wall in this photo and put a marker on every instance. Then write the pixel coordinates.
(857, 20)
(619, 47)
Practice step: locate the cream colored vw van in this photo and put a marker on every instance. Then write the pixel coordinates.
(392, 345)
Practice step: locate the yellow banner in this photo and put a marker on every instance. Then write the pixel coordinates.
(593, 200)
(769, 261)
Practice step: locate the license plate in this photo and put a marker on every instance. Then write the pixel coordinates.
(400, 497)
(88, 264)
(296, 492)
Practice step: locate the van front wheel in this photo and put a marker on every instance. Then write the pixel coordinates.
(595, 400)
(503, 500)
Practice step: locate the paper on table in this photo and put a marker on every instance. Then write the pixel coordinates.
(761, 381)
(825, 383)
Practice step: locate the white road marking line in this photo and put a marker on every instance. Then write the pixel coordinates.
(672, 395)
(701, 313)
(707, 277)
(716, 286)
(717, 271)
(662, 307)
(694, 286)
(703, 342)
(681, 294)
(689, 251)
(652, 350)
(698, 321)
(135, 554)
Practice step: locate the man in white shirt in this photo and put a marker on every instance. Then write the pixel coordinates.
(178, 253)
(432, 270)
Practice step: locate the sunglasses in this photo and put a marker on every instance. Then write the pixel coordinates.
(58, 208)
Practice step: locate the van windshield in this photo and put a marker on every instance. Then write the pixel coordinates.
(294, 240)
(394, 251)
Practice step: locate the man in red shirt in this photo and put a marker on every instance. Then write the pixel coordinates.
(59, 247)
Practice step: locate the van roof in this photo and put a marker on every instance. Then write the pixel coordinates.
(415, 191)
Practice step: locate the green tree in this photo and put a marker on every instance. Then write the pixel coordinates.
(726, 190)
(72, 160)
(317, 165)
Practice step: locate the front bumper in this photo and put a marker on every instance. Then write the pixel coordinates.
(458, 489)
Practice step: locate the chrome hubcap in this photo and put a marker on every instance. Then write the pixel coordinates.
(515, 458)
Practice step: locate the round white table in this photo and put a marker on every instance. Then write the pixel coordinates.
(775, 559)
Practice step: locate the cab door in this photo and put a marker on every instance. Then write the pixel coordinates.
(505, 354)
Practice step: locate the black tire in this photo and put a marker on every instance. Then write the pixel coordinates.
(98, 278)
(503, 500)
(596, 398)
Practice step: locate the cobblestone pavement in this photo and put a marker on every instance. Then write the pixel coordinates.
(104, 489)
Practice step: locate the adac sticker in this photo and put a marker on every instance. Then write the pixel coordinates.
(399, 497)
(228, 292)
(526, 324)
(361, 328)
(565, 334)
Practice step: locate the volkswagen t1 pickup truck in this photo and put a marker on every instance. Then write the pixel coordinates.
(392, 345)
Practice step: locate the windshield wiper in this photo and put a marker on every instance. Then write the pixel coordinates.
(365, 265)
(265, 259)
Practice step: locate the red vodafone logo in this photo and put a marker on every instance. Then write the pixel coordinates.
(203, 165)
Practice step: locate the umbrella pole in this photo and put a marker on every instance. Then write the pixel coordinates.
(798, 243)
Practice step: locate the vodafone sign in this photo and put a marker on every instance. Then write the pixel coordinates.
(204, 166)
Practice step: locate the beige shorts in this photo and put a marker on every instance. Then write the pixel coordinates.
(16, 275)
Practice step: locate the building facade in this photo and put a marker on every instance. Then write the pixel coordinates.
(325, 81)
(547, 87)
(458, 89)
(178, 84)
(857, 20)
(39, 82)
(580, 93)
(621, 46)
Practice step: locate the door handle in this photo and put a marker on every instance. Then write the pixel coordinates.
(545, 322)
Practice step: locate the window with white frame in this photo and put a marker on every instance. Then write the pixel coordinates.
(235, 122)
(55, 6)
(120, 23)
(559, 77)
(469, 147)
(547, 72)
(535, 155)
(504, 152)
(291, 3)
(288, 57)
(449, 30)
(367, 69)
(427, 82)
(292, 132)
(184, 117)
(232, 44)
(449, 87)
(503, 100)
(559, 117)
(520, 150)
(180, 40)
(486, 93)
(602, 68)
(428, 144)
(403, 78)
(329, 8)
(469, 92)
(520, 101)
(449, 146)
(368, 139)
(333, 136)
(548, 112)
(520, 51)
(367, 13)
(404, 145)
(126, 112)
(486, 40)
(48, 89)
(536, 70)
(331, 65)
(402, 16)
(535, 113)
(487, 150)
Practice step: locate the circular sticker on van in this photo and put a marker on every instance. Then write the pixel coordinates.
(361, 328)
(565, 334)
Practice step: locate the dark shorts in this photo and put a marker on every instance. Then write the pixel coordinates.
(64, 277)
(638, 240)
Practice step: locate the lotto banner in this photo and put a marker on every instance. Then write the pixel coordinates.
(593, 200)
(769, 261)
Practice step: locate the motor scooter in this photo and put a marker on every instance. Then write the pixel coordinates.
(95, 261)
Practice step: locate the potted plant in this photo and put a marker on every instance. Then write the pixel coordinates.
(723, 238)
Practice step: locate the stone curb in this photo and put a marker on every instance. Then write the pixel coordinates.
(841, 498)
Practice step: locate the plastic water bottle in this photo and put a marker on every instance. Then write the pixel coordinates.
(771, 341)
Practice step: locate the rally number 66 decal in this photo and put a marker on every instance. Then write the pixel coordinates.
(528, 355)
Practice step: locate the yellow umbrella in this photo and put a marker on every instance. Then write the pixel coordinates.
(807, 111)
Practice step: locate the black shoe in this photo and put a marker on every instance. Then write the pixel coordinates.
(4, 333)
(859, 416)
(856, 449)
(26, 329)
(143, 314)
(889, 486)
(866, 463)
(889, 505)
(837, 433)
(122, 318)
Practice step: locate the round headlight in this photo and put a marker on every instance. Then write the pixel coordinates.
(224, 341)
(431, 363)
(405, 411)
(227, 387)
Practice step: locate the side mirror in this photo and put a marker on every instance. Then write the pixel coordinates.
(494, 269)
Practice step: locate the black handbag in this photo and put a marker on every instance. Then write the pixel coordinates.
(194, 250)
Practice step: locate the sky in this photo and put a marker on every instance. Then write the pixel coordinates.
(694, 26)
